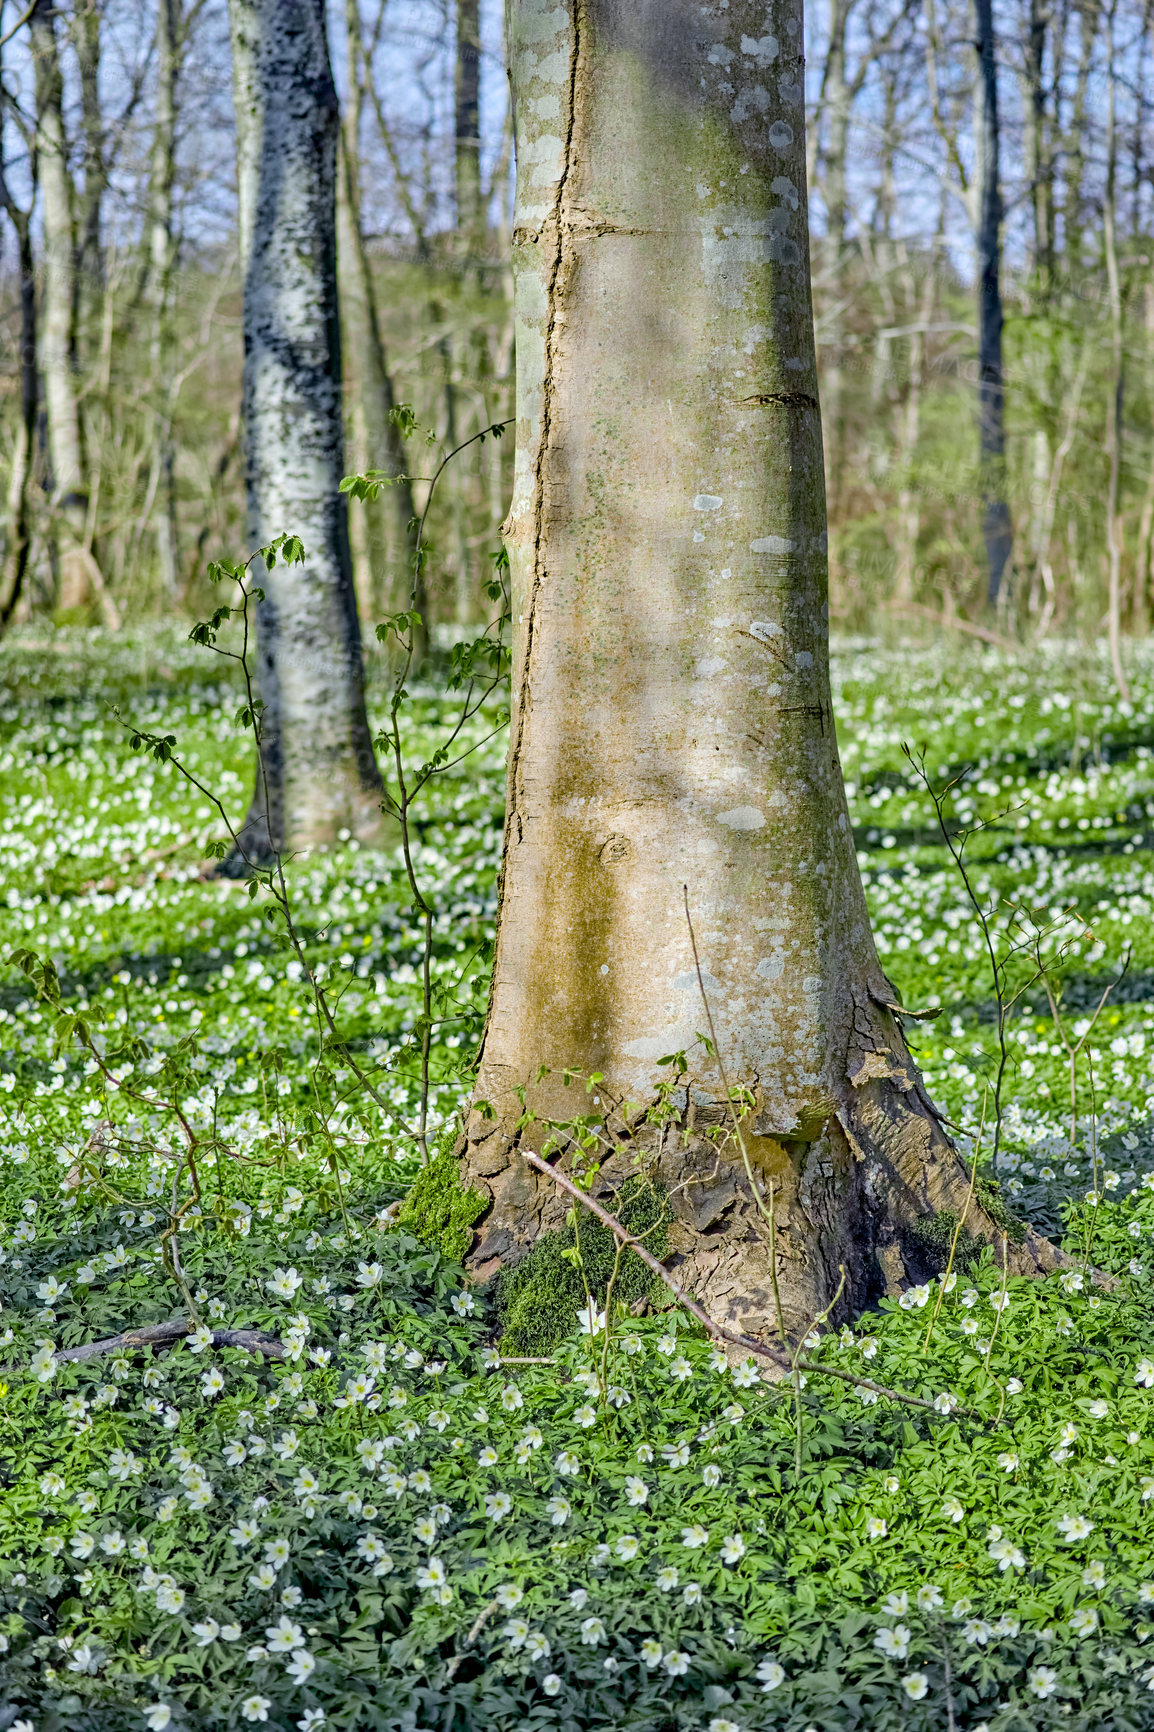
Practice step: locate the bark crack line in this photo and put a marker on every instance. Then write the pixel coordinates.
(581, 223)
(556, 220)
(792, 400)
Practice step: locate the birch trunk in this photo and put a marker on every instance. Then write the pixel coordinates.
(57, 320)
(997, 529)
(671, 721)
(317, 775)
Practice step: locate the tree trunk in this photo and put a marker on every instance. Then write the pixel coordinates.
(57, 322)
(1075, 153)
(84, 28)
(317, 775)
(467, 127)
(671, 722)
(1113, 440)
(391, 555)
(996, 526)
(835, 106)
(1040, 160)
(19, 539)
(162, 261)
(909, 515)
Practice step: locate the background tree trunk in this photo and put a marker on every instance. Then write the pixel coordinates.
(671, 720)
(162, 260)
(18, 542)
(835, 112)
(57, 322)
(386, 524)
(996, 526)
(84, 29)
(318, 775)
(467, 127)
(1113, 440)
(1040, 164)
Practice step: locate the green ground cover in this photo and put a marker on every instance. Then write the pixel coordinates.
(391, 1527)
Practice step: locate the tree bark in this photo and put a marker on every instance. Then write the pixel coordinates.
(1039, 155)
(467, 127)
(162, 261)
(1113, 440)
(671, 722)
(317, 775)
(57, 321)
(997, 529)
(19, 538)
(390, 538)
(84, 28)
(1075, 152)
(835, 110)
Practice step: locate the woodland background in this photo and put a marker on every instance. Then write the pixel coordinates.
(902, 169)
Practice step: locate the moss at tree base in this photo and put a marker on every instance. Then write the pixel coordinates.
(933, 1237)
(538, 1300)
(439, 1210)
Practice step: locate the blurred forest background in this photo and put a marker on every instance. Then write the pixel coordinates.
(982, 200)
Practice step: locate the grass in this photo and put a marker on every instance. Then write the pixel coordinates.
(389, 1528)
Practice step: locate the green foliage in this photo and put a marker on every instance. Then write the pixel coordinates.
(188, 996)
(439, 1210)
(538, 1300)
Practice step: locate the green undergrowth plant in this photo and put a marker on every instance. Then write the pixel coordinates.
(393, 1527)
(390, 1519)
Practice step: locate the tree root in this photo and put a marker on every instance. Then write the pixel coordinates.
(775, 1355)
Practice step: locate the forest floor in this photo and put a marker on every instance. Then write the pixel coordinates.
(388, 1527)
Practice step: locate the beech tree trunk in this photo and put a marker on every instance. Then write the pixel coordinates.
(317, 774)
(671, 721)
(835, 111)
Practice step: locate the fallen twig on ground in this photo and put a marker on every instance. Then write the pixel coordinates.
(155, 1334)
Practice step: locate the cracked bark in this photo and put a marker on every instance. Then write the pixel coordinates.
(662, 539)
